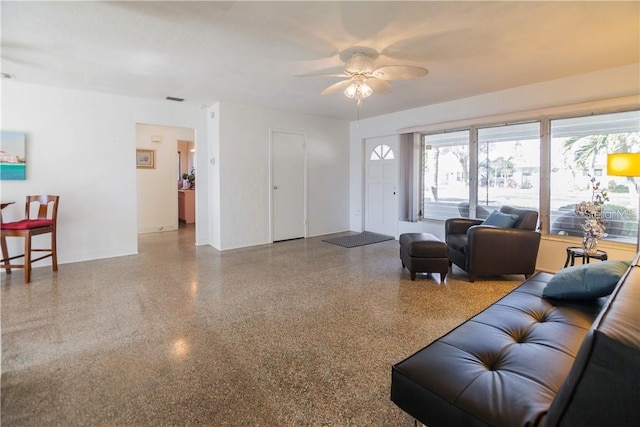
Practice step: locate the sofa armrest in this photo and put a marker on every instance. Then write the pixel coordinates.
(459, 225)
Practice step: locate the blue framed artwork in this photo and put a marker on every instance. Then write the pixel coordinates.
(13, 161)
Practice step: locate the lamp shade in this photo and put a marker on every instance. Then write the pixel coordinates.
(623, 164)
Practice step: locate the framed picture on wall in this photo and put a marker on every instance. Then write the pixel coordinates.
(13, 160)
(145, 158)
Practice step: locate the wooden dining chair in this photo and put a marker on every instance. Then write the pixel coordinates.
(45, 222)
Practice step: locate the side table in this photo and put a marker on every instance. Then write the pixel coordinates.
(574, 252)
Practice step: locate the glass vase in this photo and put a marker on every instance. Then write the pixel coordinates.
(589, 244)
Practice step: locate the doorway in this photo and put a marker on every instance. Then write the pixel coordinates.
(381, 176)
(288, 186)
(186, 183)
(157, 186)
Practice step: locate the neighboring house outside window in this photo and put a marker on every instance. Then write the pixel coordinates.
(509, 166)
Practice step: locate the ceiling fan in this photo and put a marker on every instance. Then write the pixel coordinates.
(363, 79)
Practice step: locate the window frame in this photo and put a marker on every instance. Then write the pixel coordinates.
(566, 112)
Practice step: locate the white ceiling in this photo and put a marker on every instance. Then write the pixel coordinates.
(251, 52)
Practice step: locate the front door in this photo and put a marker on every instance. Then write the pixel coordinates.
(288, 185)
(381, 171)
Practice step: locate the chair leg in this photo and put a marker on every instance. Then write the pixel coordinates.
(27, 259)
(5, 255)
(54, 252)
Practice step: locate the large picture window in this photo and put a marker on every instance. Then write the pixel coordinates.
(508, 167)
(445, 174)
(504, 163)
(507, 170)
(579, 148)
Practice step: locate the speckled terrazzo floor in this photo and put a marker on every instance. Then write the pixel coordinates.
(298, 333)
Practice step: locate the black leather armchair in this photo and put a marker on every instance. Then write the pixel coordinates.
(484, 250)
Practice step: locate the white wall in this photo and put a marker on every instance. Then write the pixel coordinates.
(604, 88)
(242, 171)
(157, 188)
(81, 146)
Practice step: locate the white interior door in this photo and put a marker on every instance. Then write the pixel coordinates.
(381, 171)
(288, 188)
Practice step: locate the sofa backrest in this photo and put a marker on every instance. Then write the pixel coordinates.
(603, 385)
(527, 219)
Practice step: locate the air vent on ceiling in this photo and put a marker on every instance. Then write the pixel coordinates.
(173, 98)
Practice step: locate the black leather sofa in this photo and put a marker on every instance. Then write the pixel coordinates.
(530, 361)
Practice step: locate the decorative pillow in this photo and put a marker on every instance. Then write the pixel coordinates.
(587, 281)
(500, 219)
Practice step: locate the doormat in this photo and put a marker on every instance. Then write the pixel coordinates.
(360, 239)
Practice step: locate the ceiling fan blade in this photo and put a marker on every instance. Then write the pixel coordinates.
(379, 86)
(337, 87)
(324, 75)
(400, 72)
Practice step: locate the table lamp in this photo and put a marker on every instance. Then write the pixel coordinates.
(626, 164)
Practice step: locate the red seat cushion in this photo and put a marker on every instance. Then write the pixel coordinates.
(27, 224)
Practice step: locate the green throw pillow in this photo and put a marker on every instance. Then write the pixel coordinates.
(586, 281)
(500, 219)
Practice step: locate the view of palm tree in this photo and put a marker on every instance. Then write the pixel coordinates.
(579, 150)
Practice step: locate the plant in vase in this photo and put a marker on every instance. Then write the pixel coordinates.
(192, 179)
(593, 228)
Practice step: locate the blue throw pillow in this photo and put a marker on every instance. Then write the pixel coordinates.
(500, 219)
(585, 281)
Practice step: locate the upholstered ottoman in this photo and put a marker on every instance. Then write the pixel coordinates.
(424, 253)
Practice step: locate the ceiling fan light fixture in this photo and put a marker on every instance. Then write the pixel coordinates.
(363, 79)
(351, 90)
(365, 90)
(358, 90)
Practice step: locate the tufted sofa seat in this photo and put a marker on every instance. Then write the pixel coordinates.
(528, 361)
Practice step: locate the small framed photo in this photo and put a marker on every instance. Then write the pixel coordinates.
(145, 159)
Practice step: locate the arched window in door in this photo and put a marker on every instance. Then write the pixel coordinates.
(382, 152)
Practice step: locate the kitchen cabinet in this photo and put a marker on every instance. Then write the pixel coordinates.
(187, 206)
